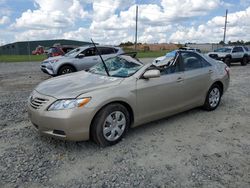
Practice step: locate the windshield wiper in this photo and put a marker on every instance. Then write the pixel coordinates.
(105, 67)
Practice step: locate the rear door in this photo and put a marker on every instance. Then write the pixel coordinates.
(237, 53)
(197, 78)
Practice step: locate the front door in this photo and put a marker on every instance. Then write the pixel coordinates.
(160, 97)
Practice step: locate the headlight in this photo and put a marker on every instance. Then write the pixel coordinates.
(54, 61)
(68, 104)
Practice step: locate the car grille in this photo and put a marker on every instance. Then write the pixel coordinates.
(37, 102)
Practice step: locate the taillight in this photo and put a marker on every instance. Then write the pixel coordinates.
(227, 69)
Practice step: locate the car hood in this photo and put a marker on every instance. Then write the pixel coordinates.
(220, 54)
(75, 84)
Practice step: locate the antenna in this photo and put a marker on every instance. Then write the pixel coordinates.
(105, 67)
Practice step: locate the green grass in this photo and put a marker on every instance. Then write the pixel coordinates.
(25, 58)
(21, 58)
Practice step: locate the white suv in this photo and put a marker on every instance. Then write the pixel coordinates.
(81, 58)
(230, 54)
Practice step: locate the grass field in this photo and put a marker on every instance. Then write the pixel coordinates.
(25, 58)
(21, 58)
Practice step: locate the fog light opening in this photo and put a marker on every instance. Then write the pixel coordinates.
(59, 132)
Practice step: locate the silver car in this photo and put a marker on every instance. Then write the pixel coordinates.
(81, 58)
(92, 105)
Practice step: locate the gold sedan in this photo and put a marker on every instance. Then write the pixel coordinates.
(103, 103)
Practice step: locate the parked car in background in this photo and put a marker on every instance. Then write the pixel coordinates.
(38, 51)
(55, 51)
(230, 54)
(103, 103)
(81, 58)
(164, 60)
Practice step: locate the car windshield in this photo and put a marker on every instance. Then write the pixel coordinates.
(117, 67)
(228, 50)
(72, 53)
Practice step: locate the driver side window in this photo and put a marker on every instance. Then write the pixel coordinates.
(172, 68)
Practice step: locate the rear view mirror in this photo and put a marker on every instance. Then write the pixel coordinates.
(152, 74)
(81, 55)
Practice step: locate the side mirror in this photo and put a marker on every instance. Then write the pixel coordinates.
(152, 74)
(81, 56)
(234, 51)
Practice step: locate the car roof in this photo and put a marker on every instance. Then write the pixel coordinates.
(90, 46)
(131, 59)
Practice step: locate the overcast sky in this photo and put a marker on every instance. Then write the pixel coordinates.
(113, 21)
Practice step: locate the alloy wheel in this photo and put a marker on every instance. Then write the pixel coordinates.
(114, 126)
(214, 97)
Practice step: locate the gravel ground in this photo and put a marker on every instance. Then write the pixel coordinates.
(192, 149)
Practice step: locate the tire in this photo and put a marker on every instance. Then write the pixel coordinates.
(213, 98)
(110, 125)
(66, 70)
(244, 61)
(227, 61)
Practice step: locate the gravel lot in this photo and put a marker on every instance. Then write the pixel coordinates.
(192, 149)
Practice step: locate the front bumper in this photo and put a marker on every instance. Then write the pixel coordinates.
(47, 68)
(216, 57)
(72, 124)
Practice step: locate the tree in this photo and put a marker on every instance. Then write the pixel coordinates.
(222, 42)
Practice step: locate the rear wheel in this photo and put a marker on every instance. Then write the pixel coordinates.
(110, 125)
(66, 69)
(228, 61)
(213, 98)
(244, 61)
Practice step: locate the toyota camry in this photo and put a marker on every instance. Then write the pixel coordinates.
(104, 102)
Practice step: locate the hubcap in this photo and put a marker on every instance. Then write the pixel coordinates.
(214, 97)
(114, 126)
(66, 71)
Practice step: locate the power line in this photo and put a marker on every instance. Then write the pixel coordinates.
(225, 27)
(136, 26)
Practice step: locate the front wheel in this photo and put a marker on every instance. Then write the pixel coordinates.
(110, 125)
(244, 61)
(66, 70)
(213, 98)
(228, 61)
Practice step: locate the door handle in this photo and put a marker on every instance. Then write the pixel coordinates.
(180, 79)
(94, 58)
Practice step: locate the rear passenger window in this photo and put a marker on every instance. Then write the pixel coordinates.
(105, 51)
(246, 48)
(238, 49)
(192, 61)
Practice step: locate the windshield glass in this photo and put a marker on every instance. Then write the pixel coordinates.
(72, 53)
(228, 50)
(117, 67)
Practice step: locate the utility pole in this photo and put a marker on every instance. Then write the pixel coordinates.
(136, 26)
(225, 27)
